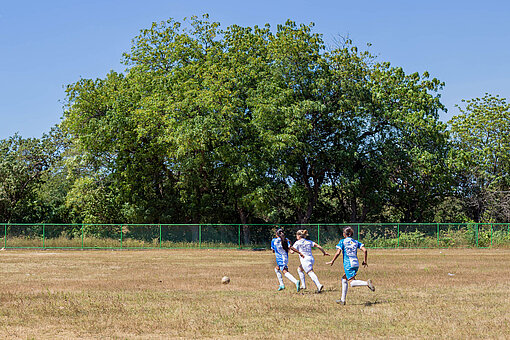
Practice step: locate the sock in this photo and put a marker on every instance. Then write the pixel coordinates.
(314, 278)
(302, 278)
(345, 286)
(290, 277)
(358, 283)
(279, 276)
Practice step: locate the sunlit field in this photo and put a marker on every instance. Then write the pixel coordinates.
(149, 294)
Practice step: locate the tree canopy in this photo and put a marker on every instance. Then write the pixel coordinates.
(481, 137)
(259, 124)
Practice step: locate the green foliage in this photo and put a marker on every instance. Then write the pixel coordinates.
(209, 123)
(258, 124)
(373, 240)
(482, 133)
(26, 165)
(416, 239)
(481, 157)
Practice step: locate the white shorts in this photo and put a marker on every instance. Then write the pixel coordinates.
(307, 263)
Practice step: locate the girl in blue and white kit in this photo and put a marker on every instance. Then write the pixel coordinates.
(305, 246)
(280, 246)
(349, 247)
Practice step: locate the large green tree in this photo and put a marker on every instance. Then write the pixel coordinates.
(341, 120)
(248, 124)
(26, 168)
(481, 135)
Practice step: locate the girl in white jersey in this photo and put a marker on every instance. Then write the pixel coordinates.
(305, 247)
(349, 247)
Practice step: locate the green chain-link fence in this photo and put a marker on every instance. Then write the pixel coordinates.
(208, 236)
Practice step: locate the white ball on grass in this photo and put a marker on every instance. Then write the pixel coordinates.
(225, 280)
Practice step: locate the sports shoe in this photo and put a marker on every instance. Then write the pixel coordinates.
(320, 289)
(298, 284)
(281, 288)
(370, 285)
(340, 302)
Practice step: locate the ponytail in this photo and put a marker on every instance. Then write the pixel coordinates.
(282, 237)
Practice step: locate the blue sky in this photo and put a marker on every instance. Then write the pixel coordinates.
(45, 45)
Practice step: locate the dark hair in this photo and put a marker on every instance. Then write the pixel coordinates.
(281, 235)
(348, 231)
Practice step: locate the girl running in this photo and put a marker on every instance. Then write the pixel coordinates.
(305, 246)
(280, 246)
(349, 247)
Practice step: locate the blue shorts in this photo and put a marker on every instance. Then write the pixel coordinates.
(351, 272)
(282, 264)
(282, 267)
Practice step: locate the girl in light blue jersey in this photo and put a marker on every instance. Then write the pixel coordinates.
(280, 246)
(349, 247)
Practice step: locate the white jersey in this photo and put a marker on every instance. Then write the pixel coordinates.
(304, 246)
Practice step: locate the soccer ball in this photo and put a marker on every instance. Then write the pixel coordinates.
(225, 280)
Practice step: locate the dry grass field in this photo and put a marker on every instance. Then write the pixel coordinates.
(161, 294)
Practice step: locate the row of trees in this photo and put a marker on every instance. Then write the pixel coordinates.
(249, 124)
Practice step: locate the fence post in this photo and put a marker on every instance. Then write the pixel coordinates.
(121, 234)
(476, 233)
(82, 236)
(5, 236)
(318, 233)
(491, 235)
(398, 235)
(200, 236)
(438, 235)
(239, 235)
(43, 236)
(160, 238)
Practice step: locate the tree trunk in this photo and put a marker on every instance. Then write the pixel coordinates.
(246, 229)
(354, 210)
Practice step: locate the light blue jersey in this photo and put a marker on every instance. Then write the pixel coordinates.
(282, 257)
(349, 247)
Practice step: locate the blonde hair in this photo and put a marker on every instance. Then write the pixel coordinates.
(303, 233)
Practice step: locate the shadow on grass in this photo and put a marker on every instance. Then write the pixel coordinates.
(367, 303)
(333, 290)
(376, 302)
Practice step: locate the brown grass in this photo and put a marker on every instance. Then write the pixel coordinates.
(155, 294)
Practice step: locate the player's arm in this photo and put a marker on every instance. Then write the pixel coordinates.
(365, 253)
(321, 249)
(294, 250)
(338, 252)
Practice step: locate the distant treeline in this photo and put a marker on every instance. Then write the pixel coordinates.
(259, 124)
